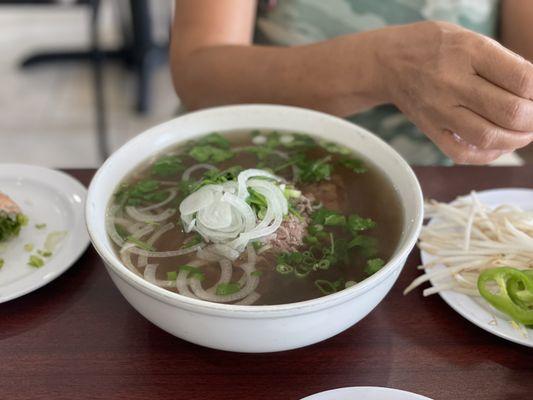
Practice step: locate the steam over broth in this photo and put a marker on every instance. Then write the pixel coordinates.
(255, 217)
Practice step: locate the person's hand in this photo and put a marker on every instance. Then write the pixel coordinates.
(470, 95)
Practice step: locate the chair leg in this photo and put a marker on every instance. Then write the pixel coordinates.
(102, 138)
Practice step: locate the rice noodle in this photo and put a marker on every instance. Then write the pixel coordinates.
(468, 237)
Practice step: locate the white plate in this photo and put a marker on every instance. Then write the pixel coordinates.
(45, 196)
(477, 310)
(366, 393)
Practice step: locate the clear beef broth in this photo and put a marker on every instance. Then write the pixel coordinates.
(369, 194)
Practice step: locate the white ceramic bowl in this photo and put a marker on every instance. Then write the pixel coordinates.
(253, 328)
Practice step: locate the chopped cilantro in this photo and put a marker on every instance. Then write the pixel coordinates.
(353, 164)
(333, 147)
(310, 171)
(208, 153)
(213, 139)
(167, 166)
(357, 223)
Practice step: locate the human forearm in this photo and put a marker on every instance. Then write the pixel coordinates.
(340, 76)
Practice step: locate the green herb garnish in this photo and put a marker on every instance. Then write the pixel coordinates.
(44, 253)
(224, 289)
(193, 272)
(28, 247)
(374, 265)
(208, 153)
(10, 225)
(353, 164)
(326, 287)
(139, 243)
(167, 166)
(35, 261)
(172, 275)
(257, 273)
(40, 226)
(1, 262)
(284, 269)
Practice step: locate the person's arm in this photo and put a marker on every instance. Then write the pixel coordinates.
(213, 63)
(517, 27)
(446, 79)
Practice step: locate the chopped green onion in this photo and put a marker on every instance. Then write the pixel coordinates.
(1, 262)
(301, 271)
(224, 289)
(325, 287)
(194, 272)
(139, 243)
(172, 275)
(374, 265)
(192, 242)
(40, 226)
(257, 273)
(35, 261)
(284, 269)
(44, 253)
(28, 247)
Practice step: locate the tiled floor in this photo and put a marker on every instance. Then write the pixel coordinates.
(47, 114)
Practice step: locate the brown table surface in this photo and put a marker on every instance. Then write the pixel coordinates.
(77, 338)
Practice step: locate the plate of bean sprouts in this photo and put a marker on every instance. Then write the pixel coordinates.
(466, 238)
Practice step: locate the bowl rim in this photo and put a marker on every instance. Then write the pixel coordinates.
(113, 264)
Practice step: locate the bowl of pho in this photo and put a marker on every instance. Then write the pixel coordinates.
(254, 228)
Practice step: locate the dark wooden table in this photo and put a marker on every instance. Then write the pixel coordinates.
(77, 338)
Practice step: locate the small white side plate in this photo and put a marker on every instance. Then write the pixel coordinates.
(477, 310)
(45, 196)
(366, 393)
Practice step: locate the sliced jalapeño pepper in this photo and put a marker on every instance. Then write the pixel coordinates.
(514, 295)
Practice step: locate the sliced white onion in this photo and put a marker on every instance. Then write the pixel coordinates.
(202, 198)
(226, 270)
(171, 195)
(187, 174)
(249, 287)
(250, 173)
(161, 254)
(150, 275)
(182, 284)
(243, 207)
(249, 300)
(148, 218)
(142, 260)
(110, 226)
